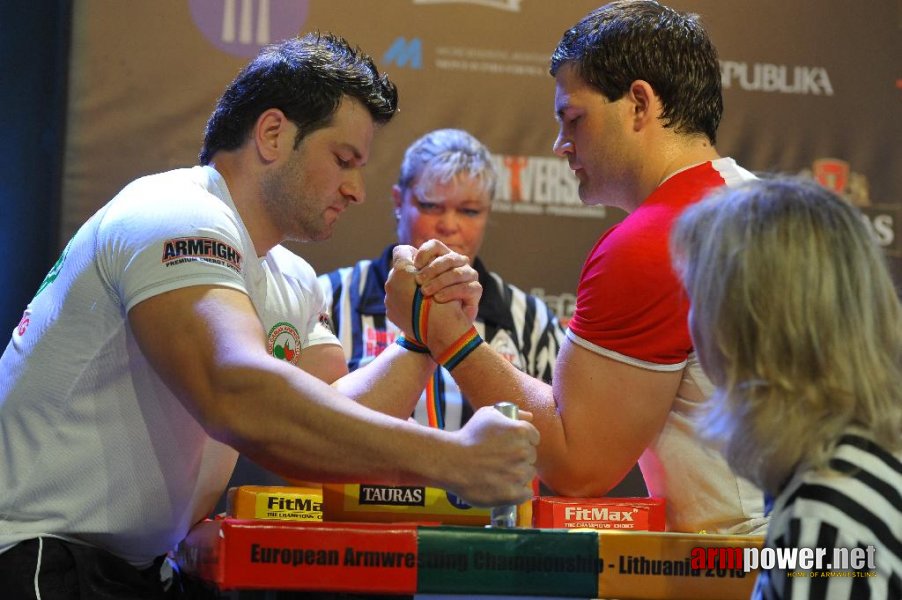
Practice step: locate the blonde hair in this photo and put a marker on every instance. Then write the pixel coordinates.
(796, 322)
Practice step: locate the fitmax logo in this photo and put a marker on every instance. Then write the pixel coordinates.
(402, 52)
(579, 513)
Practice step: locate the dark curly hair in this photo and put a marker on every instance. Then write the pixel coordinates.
(304, 77)
(623, 41)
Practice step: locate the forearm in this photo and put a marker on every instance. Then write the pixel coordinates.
(326, 362)
(296, 425)
(486, 378)
(595, 421)
(332, 438)
(392, 383)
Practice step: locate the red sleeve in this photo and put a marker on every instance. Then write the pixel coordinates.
(629, 301)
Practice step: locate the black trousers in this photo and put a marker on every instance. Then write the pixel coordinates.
(53, 569)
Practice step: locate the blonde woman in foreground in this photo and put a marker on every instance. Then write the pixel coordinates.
(797, 323)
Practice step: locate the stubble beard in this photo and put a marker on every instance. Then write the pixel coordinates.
(291, 209)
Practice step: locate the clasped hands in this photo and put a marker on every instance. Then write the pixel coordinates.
(446, 279)
(500, 453)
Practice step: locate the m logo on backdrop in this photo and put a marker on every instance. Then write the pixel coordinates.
(401, 52)
(242, 27)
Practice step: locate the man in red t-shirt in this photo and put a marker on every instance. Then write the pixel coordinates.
(638, 99)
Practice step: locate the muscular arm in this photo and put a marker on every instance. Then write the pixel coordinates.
(291, 422)
(393, 381)
(596, 420)
(390, 384)
(324, 361)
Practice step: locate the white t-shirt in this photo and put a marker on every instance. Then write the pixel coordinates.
(94, 447)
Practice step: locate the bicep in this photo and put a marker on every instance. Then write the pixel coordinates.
(192, 335)
(610, 410)
(324, 361)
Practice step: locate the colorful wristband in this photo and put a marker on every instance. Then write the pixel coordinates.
(411, 345)
(435, 401)
(420, 316)
(459, 350)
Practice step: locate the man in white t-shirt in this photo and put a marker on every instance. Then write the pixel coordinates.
(169, 335)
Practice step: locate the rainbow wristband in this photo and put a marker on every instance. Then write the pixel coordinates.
(420, 316)
(411, 345)
(459, 350)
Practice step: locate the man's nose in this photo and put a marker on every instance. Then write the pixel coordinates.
(562, 145)
(354, 188)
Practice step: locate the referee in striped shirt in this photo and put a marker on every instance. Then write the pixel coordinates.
(444, 192)
(798, 325)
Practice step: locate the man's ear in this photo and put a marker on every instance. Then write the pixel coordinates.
(397, 197)
(645, 104)
(271, 134)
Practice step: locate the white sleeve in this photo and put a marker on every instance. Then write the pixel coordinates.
(301, 279)
(154, 240)
(321, 330)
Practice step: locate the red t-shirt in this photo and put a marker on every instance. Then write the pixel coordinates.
(630, 304)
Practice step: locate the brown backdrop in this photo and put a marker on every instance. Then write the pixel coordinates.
(810, 86)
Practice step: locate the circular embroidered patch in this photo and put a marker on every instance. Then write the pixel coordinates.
(284, 342)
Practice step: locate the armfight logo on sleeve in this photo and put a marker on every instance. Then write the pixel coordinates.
(182, 250)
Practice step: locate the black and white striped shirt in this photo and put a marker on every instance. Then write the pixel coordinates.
(860, 506)
(517, 325)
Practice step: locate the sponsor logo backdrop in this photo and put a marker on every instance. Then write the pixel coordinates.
(811, 86)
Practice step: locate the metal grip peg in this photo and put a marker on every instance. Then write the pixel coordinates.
(505, 516)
